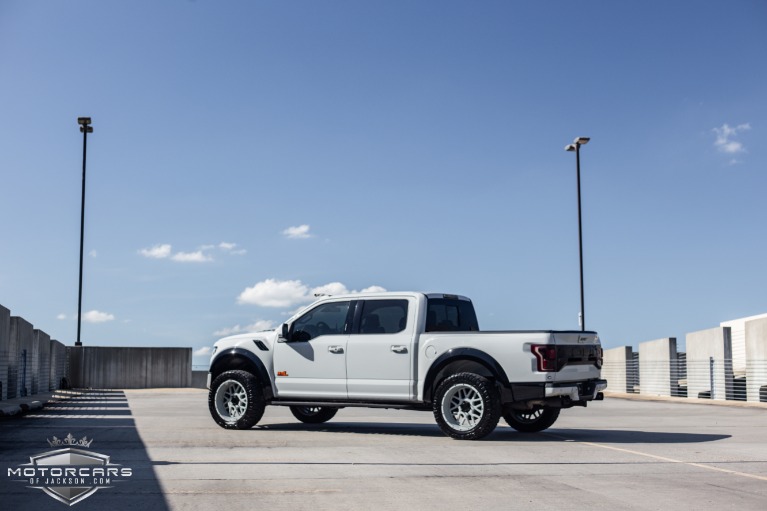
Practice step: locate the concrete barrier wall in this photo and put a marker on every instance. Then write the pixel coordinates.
(703, 346)
(199, 379)
(32, 363)
(756, 360)
(45, 359)
(58, 369)
(5, 346)
(39, 340)
(20, 367)
(617, 369)
(705, 371)
(658, 369)
(129, 368)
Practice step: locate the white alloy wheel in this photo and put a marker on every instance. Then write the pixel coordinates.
(462, 407)
(231, 400)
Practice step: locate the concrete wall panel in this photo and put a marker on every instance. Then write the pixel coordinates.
(21, 350)
(129, 368)
(43, 365)
(756, 360)
(199, 379)
(658, 369)
(617, 369)
(5, 346)
(58, 369)
(713, 343)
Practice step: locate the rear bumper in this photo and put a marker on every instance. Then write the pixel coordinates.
(568, 392)
(585, 391)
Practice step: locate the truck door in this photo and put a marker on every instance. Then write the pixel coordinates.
(312, 363)
(380, 358)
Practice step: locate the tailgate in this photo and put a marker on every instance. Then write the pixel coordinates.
(579, 355)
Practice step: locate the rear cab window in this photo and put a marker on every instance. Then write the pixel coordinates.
(450, 314)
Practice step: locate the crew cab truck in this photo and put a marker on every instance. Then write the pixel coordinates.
(404, 350)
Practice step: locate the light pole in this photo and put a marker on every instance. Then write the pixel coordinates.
(576, 146)
(85, 128)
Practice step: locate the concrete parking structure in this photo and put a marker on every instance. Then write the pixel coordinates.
(620, 454)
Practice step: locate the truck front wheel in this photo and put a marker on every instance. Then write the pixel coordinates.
(313, 414)
(466, 406)
(531, 421)
(235, 400)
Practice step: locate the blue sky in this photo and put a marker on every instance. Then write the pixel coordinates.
(246, 153)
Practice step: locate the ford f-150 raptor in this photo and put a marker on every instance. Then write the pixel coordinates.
(404, 350)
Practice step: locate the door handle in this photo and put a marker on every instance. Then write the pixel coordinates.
(399, 349)
(335, 349)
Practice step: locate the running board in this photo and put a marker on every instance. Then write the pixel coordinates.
(350, 404)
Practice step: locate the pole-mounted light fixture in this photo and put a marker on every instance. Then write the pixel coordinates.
(576, 146)
(85, 128)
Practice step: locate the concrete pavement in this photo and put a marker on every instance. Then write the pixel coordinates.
(617, 454)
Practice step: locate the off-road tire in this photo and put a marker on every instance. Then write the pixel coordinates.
(313, 414)
(235, 400)
(466, 406)
(531, 421)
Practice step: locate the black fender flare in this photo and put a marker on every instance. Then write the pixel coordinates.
(458, 354)
(239, 358)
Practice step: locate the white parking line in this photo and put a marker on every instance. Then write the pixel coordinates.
(663, 458)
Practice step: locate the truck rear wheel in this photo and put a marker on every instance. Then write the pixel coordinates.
(466, 406)
(531, 421)
(235, 400)
(313, 414)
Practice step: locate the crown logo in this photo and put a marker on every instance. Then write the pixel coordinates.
(70, 441)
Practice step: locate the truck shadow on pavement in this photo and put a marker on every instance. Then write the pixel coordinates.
(504, 433)
(619, 436)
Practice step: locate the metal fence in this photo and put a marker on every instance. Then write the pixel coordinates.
(694, 379)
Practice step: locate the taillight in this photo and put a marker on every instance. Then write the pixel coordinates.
(600, 357)
(546, 356)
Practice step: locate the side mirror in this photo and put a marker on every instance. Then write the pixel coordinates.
(285, 333)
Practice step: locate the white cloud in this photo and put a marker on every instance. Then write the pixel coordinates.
(725, 136)
(204, 351)
(275, 293)
(93, 254)
(95, 316)
(258, 326)
(289, 293)
(191, 257)
(156, 252)
(231, 248)
(201, 255)
(374, 289)
(61, 316)
(298, 232)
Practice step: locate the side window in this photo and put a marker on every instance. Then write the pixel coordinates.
(383, 316)
(326, 319)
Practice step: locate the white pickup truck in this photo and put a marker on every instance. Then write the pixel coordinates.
(404, 350)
